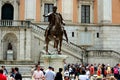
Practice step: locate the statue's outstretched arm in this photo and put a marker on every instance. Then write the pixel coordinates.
(47, 15)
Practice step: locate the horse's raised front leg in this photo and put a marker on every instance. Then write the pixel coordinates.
(64, 31)
(60, 45)
(46, 42)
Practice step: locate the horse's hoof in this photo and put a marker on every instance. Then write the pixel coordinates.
(59, 53)
(49, 54)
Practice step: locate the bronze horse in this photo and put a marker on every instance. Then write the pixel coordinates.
(55, 33)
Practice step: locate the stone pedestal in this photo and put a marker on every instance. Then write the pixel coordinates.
(10, 55)
(56, 61)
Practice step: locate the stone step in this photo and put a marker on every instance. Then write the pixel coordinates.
(14, 62)
(25, 70)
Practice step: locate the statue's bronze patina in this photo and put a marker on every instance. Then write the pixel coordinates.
(55, 30)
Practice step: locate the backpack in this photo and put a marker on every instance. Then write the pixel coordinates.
(115, 70)
(119, 71)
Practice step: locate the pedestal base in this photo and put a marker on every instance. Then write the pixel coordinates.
(56, 61)
(10, 55)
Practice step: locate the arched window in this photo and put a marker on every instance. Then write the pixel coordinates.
(7, 12)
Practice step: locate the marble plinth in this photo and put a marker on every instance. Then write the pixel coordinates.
(56, 61)
(10, 55)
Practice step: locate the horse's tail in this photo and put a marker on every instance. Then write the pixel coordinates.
(64, 31)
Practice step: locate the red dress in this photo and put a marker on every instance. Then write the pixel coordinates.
(99, 72)
(3, 77)
(91, 70)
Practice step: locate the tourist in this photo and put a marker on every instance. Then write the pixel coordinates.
(12, 74)
(91, 70)
(108, 70)
(4, 70)
(2, 76)
(38, 74)
(88, 73)
(66, 74)
(83, 76)
(59, 75)
(50, 75)
(17, 74)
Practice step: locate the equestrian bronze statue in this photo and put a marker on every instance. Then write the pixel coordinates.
(55, 30)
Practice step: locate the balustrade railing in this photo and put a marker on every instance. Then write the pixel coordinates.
(15, 23)
(103, 53)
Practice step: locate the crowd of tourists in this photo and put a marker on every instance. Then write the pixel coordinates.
(14, 74)
(93, 71)
(70, 72)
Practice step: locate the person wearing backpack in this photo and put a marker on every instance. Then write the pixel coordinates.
(116, 73)
(119, 72)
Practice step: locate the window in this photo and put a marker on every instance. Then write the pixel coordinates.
(47, 8)
(97, 35)
(85, 14)
(72, 34)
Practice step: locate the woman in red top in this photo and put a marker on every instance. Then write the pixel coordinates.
(2, 76)
(92, 70)
(99, 71)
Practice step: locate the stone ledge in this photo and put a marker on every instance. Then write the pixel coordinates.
(55, 56)
(14, 62)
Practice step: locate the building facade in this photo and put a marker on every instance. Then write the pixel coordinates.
(91, 24)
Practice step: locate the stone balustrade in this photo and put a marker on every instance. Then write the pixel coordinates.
(103, 53)
(14, 23)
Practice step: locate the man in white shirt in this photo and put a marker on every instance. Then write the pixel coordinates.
(38, 74)
(83, 76)
(66, 73)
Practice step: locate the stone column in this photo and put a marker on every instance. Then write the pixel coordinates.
(30, 9)
(56, 61)
(28, 45)
(0, 8)
(21, 55)
(67, 10)
(1, 52)
(16, 9)
(105, 11)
